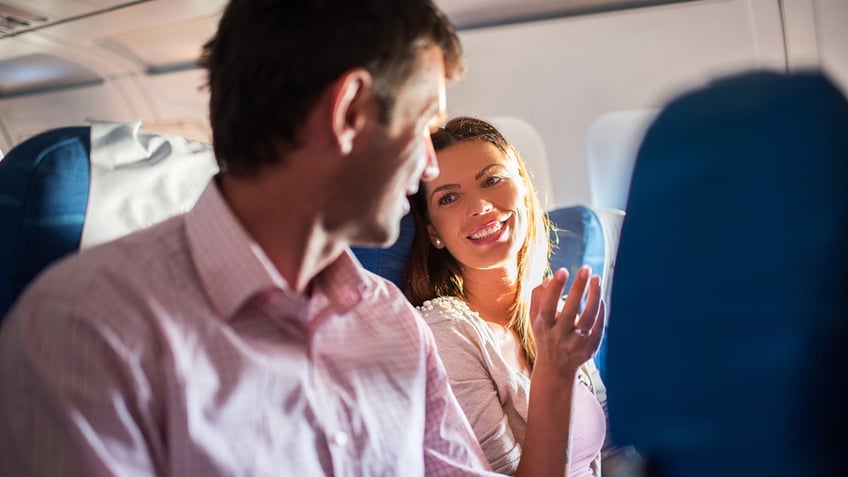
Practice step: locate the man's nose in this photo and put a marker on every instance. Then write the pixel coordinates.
(431, 167)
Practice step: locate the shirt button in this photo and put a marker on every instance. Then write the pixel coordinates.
(339, 438)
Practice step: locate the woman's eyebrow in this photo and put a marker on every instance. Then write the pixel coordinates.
(443, 187)
(485, 169)
(477, 176)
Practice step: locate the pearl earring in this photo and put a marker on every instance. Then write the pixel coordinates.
(438, 242)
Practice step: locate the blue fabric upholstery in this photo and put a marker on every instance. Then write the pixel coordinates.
(580, 238)
(389, 262)
(727, 354)
(580, 241)
(43, 199)
(72, 188)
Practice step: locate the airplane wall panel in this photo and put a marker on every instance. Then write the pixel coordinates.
(103, 62)
(180, 102)
(132, 90)
(832, 29)
(799, 20)
(25, 116)
(561, 75)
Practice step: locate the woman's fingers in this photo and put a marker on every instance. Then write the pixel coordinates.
(584, 322)
(545, 299)
(559, 344)
(572, 302)
(597, 332)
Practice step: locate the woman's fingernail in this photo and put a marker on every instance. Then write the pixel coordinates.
(584, 272)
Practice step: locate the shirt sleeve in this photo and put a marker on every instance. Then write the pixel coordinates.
(74, 397)
(472, 383)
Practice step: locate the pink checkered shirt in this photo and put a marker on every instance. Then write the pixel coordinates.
(180, 351)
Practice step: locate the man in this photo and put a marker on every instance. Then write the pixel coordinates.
(242, 338)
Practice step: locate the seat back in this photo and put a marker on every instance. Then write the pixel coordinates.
(43, 197)
(727, 352)
(74, 187)
(389, 262)
(579, 236)
(580, 240)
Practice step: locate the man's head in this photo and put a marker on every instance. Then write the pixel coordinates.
(270, 61)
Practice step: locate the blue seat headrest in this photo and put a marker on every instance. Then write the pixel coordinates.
(52, 165)
(389, 262)
(727, 351)
(579, 240)
(70, 188)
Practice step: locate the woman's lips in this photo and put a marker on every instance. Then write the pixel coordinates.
(489, 232)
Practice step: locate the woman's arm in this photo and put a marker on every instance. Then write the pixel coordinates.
(564, 341)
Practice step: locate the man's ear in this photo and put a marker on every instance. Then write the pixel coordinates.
(353, 103)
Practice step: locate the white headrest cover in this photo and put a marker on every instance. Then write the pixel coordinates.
(140, 178)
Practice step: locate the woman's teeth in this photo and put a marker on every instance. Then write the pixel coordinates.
(487, 232)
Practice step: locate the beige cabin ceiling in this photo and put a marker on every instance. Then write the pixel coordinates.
(26, 15)
(480, 13)
(166, 35)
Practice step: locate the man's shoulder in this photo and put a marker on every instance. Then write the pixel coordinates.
(385, 302)
(382, 290)
(119, 261)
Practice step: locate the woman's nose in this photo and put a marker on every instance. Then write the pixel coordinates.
(479, 206)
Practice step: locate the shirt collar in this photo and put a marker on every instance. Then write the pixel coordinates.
(233, 268)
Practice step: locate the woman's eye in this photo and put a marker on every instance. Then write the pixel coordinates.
(492, 181)
(446, 199)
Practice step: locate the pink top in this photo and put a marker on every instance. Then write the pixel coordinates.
(587, 433)
(180, 351)
(495, 396)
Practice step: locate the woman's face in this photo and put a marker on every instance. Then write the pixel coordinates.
(477, 206)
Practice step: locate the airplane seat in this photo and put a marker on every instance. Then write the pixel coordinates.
(579, 236)
(389, 262)
(727, 354)
(580, 240)
(37, 232)
(73, 187)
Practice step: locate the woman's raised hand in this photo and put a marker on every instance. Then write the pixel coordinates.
(565, 339)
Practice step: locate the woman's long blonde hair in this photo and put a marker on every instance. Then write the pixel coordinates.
(432, 272)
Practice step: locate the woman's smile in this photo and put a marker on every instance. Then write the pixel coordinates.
(489, 232)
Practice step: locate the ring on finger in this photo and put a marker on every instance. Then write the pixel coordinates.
(581, 332)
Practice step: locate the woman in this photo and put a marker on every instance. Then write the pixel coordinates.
(482, 244)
